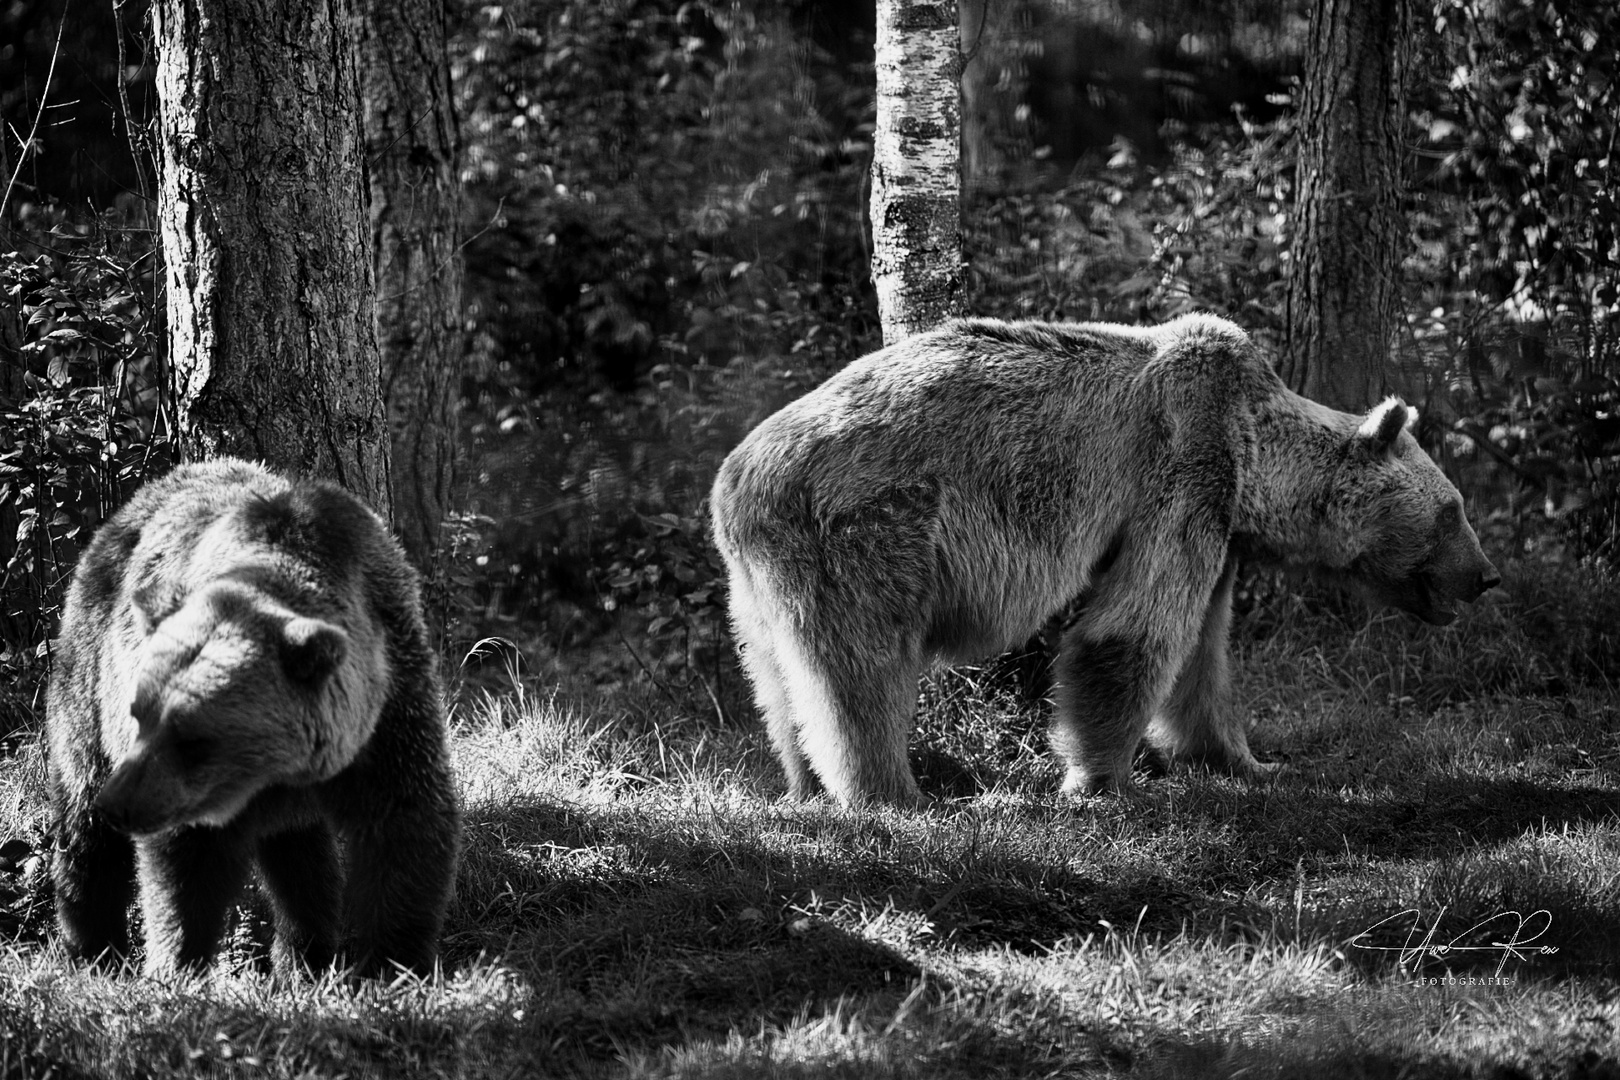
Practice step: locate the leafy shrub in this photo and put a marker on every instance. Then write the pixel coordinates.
(1123, 241)
(670, 576)
(81, 415)
(645, 174)
(675, 248)
(1521, 258)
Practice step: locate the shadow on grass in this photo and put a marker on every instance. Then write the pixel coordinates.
(633, 932)
(752, 921)
(1222, 1059)
(639, 932)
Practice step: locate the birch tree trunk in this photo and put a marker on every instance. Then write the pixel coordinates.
(262, 201)
(412, 147)
(916, 167)
(1348, 235)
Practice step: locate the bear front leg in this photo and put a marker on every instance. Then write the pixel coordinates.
(93, 871)
(401, 827)
(1198, 722)
(400, 876)
(1118, 661)
(305, 880)
(190, 877)
(1104, 700)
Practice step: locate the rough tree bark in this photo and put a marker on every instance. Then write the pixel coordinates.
(1348, 235)
(997, 40)
(262, 201)
(412, 147)
(916, 167)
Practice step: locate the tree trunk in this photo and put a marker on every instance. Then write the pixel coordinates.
(1348, 234)
(262, 202)
(412, 148)
(916, 167)
(997, 39)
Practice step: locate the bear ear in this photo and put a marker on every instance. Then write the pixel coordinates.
(311, 649)
(1383, 425)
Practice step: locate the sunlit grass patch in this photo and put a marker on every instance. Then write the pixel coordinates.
(82, 1022)
(1154, 1006)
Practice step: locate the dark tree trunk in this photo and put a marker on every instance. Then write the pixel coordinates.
(916, 167)
(997, 37)
(412, 148)
(262, 201)
(1348, 232)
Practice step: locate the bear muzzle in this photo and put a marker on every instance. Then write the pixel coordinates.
(1438, 598)
(127, 799)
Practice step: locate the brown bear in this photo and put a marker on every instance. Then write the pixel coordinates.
(940, 498)
(243, 677)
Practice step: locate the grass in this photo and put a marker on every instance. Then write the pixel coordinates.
(635, 901)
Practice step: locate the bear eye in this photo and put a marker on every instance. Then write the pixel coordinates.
(192, 750)
(1450, 515)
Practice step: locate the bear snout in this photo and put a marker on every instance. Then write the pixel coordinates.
(131, 799)
(1470, 583)
(118, 801)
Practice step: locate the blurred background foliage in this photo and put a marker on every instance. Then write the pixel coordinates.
(667, 241)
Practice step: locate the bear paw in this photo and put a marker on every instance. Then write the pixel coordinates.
(1083, 782)
(1259, 772)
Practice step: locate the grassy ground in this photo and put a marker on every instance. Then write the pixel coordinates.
(635, 901)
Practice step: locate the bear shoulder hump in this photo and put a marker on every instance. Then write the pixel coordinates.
(1208, 347)
(313, 517)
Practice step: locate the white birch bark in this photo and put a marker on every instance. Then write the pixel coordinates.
(916, 167)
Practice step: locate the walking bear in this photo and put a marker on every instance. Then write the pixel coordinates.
(243, 676)
(941, 498)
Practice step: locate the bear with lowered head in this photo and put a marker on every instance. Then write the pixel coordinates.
(938, 500)
(243, 678)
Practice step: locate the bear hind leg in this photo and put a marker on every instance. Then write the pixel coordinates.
(855, 714)
(836, 712)
(757, 639)
(304, 878)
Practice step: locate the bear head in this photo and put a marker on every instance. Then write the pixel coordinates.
(232, 694)
(1411, 546)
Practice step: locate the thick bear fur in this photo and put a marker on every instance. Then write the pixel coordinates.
(243, 676)
(941, 498)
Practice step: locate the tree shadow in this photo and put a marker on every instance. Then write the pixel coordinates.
(1220, 1059)
(640, 936)
(636, 933)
